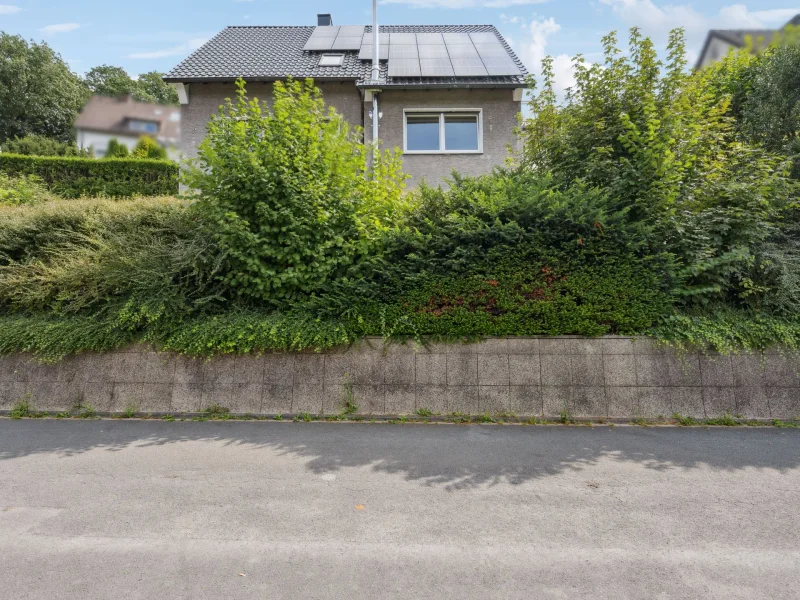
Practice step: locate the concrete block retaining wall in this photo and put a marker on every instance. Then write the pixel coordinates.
(611, 377)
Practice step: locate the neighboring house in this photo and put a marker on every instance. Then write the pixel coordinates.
(104, 118)
(721, 41)
(448, 95)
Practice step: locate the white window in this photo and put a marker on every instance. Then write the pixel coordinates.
(443, 131)
(143, 126)
(331, 60)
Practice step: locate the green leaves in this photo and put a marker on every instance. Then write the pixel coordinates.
(290, 191)
(661, 141)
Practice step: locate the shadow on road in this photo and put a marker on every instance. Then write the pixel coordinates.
(474, 456)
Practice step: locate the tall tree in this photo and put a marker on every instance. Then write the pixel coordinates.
(151, 85)
(106, 80)
(38, 91)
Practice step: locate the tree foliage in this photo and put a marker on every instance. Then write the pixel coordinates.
(662, 142)
(107, 80)
(38, 145)
(147, 147)
(286, 188)
(115, 149)
(39, 94)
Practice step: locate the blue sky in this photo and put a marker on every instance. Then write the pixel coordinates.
(143, 35)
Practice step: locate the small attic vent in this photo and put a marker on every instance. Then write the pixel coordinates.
(331, 60)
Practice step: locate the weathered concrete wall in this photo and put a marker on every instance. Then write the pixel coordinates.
(499, 120)
(205, 99)
(605, 377)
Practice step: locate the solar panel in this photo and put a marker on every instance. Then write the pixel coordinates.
(484, 37)
(347, 43)
(427, 39)
(404, 67)
(462, 51)
(491, 50)
(433, 52)
(402, 38)
(383, 39)
(436, 67)
(325, 31)
(320, 43)
(403, 51)
(351, 30)
(501, 66)
(456, 38)
(467, 67)
(366, 52)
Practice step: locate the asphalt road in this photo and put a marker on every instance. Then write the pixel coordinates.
(223, 510)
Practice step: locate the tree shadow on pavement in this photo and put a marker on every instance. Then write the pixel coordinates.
(451, 456)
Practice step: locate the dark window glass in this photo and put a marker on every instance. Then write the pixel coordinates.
(422, 132)
(461, 132)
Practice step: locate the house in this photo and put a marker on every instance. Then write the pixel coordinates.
(721, 41)
(447, 96)
(104, 118)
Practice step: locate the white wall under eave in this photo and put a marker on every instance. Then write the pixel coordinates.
(99, 141)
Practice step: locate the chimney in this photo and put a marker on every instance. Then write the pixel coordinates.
(324, 20)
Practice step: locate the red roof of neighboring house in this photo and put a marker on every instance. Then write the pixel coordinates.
(114, 115)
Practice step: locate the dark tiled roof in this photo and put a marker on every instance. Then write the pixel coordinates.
(111, 115)
(266, 53)
(760, 38)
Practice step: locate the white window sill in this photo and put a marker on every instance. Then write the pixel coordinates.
(443, 152)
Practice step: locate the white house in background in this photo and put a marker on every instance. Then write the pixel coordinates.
(126, 120)
(721, 41)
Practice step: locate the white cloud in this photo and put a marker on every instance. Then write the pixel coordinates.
(539, 32)
(535, 49)
(59, 28)
(464, 3)
(656, 21)
(179, 50)
(9, 9)
(504, 18)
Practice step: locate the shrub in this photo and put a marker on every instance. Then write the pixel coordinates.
(115, 149)
(37, 145)
(24, 189)
(72, 177)
(130, 266)
(287, 191)
(147, 147)
(663, 146)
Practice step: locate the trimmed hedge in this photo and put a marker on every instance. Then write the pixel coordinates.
(73, 177)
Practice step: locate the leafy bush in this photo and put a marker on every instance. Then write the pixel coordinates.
(147, 147)
(72, 177)
(130, 266)
(664, 148)
(287, 191)
(505, 254)
(25, 189)
(116, 150)
(37, 145)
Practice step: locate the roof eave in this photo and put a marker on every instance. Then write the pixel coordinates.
(249, 79)
(439, 86)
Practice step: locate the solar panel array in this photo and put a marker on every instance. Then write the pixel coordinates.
(332, 37)
(449, 54)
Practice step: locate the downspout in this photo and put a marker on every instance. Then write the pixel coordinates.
(375, 76)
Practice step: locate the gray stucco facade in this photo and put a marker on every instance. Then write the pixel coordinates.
(498, 109)
(498, 119)
(206, 98)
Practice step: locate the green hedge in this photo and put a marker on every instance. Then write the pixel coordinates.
(73, 177)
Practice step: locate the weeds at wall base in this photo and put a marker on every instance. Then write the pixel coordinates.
(24, 410)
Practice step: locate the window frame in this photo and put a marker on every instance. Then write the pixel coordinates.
(441, 113)
(340, 55)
